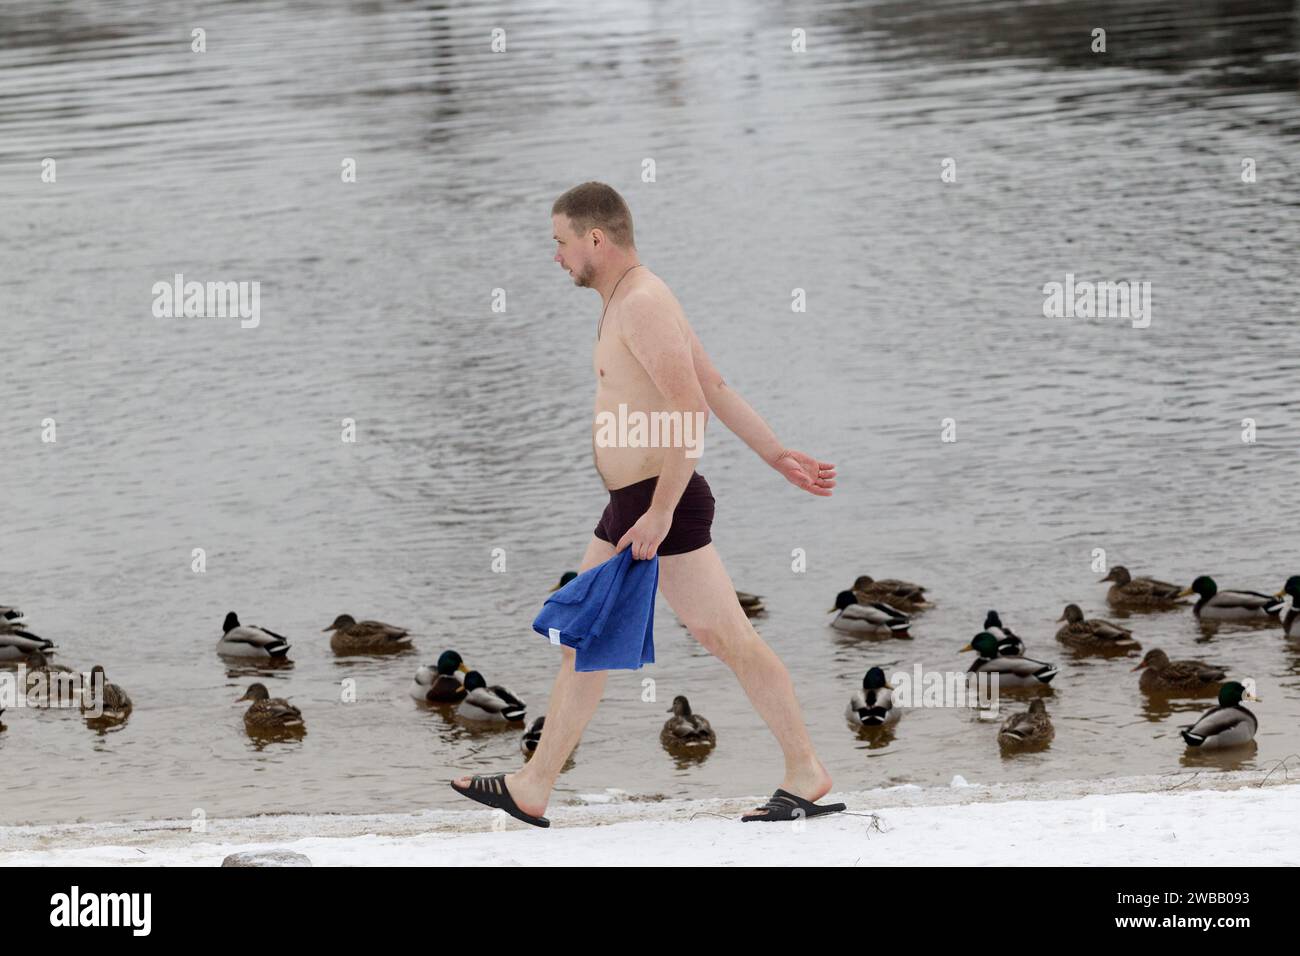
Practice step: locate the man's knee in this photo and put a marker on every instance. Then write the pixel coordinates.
(723, 640)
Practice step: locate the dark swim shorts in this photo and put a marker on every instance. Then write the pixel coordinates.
(692, 518)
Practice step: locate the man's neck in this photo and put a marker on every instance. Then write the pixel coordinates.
(606, 284)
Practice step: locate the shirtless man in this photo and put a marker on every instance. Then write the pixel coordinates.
(647, 357)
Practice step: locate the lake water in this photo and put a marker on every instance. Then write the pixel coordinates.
(773, 171)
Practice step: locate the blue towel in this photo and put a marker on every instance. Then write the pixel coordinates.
(606, 613)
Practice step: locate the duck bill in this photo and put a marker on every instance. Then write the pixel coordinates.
(464, 668)
(1186, 592)
(1280, 594)
(326, 630)
(965, 649)
(1253, 698)
(1139, 667)
(1060, 619)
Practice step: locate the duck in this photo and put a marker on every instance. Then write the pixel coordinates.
(17, 644)
(1012, 671)
(351, 636)
(1243, 606)
(686, 728)
(1291, 616)
(1139, 594)
(873, 705)
(269, 714)
(874, 617)
(1009, 643)
(1160, 673)
(1228, 725)
(102, 701)
(245, 640)
(1093, 633)
(439, 684)
(494, 704)
(899, 594)
(565, 578)
(52, 684)
(11, 614)
(751, 604)
(1027, 728)
(532, 737)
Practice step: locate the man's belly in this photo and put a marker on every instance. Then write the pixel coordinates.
(620, 467)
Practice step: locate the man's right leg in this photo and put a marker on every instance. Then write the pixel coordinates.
(574, 698)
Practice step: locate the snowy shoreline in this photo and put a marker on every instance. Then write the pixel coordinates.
(1175, 819)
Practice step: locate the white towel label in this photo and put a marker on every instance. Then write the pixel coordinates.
(555, 635)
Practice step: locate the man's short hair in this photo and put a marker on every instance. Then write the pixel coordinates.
(594, 205)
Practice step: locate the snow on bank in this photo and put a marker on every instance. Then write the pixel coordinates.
(1133, 821)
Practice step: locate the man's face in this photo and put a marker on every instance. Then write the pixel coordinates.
(573, 252)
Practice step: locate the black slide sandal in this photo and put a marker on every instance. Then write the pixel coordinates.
(784, 805)
(491, 791)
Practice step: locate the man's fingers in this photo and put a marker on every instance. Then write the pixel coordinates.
(623, 542)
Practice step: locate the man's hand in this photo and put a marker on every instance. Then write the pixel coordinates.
(803, 471)
(647, 534)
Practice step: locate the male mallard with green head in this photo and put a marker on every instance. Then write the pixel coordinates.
(903, 595)
(1291, 616)
(1093, 634)
(246, 640)
(366, 637)
(875, 617)
(269, 714)
(1011, 671)
(1236, 606)
(1139, 594)
(1009, 643)
(490, 704)
(17, 643)
(1027, 729)
(1228, 725)
(873, 705)
(686, 728)
(1159, 673)
(439, 684)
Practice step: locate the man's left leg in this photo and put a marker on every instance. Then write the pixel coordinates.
(699, 590)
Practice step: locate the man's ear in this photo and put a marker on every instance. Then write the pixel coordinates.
(597, 238)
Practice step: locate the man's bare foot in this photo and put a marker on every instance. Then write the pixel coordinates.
(811, 782)
(531, 799)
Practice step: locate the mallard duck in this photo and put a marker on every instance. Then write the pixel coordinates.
(1291, 616)
(55, 683)
(1094, 633)
(269, 713)
(1160, 673)
(875, 617)
(439, 684)
(565, 578)
(873, 705)
(351, 636)
(17, 644)
(1027, 728)
(685, 728)
(1139, 594)
(1244, 606)
(494, 704)
(245, 640)
(1009, 643)
(1228, 725)
(899, 594)
(102, 701)
(1011, 671)
(532, 737)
